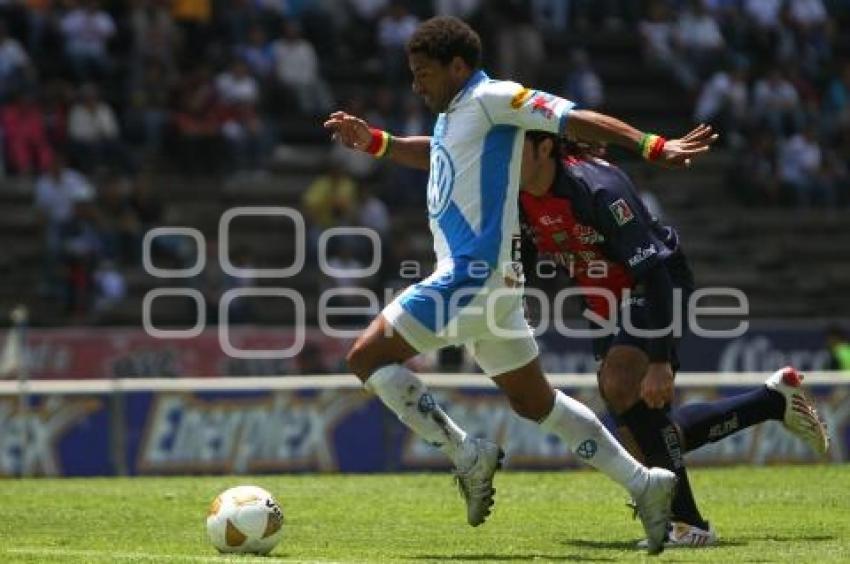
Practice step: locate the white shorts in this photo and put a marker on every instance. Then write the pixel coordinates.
(465, 303)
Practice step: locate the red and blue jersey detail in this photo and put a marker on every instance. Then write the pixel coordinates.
(575, 247)
(592, 224)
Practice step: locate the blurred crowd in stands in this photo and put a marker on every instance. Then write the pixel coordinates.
(764, 73)
(95, 97)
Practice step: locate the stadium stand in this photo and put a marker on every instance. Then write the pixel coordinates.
(791, 260)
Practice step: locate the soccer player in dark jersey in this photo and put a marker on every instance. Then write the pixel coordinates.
(585, 213)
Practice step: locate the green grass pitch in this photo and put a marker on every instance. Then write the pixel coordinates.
(796, 513)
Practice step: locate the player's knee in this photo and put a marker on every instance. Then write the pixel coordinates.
(361, 360)
(619, 393)
(620, 377)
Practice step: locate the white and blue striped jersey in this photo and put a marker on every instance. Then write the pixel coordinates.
(476, 154)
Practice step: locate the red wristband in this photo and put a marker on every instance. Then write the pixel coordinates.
(651, 146)
(657, 148)
(379, 143)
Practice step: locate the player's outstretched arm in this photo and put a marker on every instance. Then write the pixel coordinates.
(355, 133)
(591, 126)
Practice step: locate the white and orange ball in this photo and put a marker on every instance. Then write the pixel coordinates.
(245, 519)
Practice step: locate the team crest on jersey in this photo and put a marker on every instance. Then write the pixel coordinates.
(520, 98)
(622, 212)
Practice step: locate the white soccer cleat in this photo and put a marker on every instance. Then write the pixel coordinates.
(682, 535)
(476, 484)
(801, 417)
(653, 507)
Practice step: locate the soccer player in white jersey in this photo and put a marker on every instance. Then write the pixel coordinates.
(474, 296)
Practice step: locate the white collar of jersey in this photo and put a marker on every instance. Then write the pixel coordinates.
(474, 80)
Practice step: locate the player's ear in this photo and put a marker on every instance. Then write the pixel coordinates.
(458, 67)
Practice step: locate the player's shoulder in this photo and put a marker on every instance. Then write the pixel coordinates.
(591, 164)
(501, 91)
(598, 177)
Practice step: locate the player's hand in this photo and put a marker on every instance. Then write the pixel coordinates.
(656, 390)
(678, 153)
(349, 130)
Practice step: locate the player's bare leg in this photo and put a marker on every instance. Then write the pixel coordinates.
(378, 345)
(377, 358)
(532, 397)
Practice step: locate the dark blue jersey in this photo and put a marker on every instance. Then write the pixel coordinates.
(603, 196)
(603, 199)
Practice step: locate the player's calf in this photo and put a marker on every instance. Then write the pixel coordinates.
(529, 393)
(377, 359)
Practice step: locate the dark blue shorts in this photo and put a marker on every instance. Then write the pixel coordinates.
(639, 319)
(683, 279)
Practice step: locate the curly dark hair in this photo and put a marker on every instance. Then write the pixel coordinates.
(443, 38)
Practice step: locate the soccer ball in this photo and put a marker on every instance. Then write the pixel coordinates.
(245, 519)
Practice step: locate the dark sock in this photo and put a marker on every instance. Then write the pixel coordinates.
(658, 439)
(702, 423)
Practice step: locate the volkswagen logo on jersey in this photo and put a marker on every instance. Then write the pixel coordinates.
(441, 181)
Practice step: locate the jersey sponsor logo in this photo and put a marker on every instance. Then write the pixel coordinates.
(542, 104)
(551, 220)
(587, 235)
(641, 254)
(521, 98)
(622, 212)
(441, 181)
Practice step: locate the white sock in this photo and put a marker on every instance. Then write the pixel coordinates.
(408, 397)
(585, 434)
